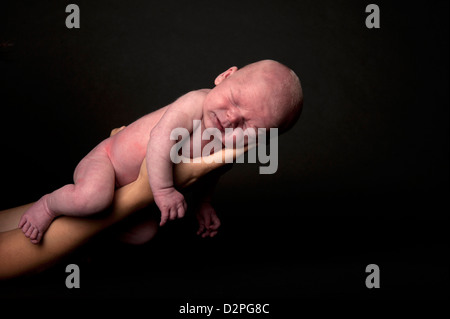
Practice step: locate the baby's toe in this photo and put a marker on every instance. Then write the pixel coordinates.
(22, 222)
(26, 227)
(34, 233)
(30, 231)
(38, 238)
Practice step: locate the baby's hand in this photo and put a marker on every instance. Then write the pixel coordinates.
(171, 204)
(208, 221)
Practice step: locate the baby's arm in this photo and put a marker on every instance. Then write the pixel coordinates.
(180, 114)
(208, 220)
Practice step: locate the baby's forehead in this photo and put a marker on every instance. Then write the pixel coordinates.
(277, 88)
(257, 87)
(266, 80)
(270, 113)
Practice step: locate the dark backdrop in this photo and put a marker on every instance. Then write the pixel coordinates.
(362, 177)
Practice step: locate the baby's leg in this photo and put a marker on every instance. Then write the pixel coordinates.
(92, 192)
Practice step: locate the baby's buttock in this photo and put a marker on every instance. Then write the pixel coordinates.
(127, 149)
(126, 155)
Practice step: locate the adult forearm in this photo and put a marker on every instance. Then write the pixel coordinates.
(19, 256)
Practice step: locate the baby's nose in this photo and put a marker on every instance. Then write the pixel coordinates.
(234, 118)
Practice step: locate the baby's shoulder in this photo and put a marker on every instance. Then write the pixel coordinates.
(191, 102)
(196, 95)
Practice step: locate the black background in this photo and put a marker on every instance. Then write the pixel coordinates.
(362, 177)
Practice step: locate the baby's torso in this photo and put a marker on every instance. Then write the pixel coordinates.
(128, 148)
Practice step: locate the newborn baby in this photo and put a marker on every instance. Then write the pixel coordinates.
(264, 94)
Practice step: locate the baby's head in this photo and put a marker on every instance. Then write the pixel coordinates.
(264, 94)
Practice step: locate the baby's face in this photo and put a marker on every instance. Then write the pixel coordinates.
(240, 102)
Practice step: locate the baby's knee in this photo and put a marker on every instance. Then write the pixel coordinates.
(93, 201)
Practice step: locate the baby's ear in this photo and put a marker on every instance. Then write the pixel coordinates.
(225, 74)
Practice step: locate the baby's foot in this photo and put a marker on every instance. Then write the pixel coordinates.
(36, 220)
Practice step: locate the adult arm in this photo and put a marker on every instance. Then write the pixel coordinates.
(19, 256)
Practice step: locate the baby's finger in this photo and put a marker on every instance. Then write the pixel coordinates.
(213, 233)
(215, 222)
(173, 213)
(205, 234)
(181, 211)
(207, 218)
(200, 229)
(164, 218)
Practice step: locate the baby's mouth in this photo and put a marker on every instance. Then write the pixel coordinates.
(217, 122)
